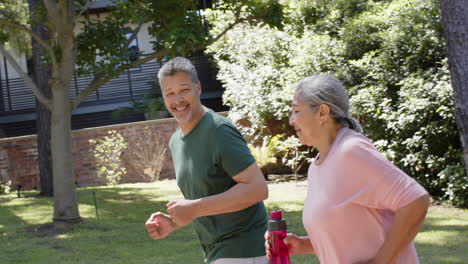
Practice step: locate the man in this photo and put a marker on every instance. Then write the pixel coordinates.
(222, 184)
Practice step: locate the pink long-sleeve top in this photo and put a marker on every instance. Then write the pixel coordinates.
(351, 201)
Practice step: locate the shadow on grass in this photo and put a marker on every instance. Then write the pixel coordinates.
(118, 236)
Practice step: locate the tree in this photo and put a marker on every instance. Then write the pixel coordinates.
(41, 76)
(455, 20)
(176, 27)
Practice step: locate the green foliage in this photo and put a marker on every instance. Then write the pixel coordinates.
(456, 190)
(15, 11)
(293, 155)
(101, 45)
(107, 153)
(151, 105)
(175, 26)
(265, 153)
(418, 133)
(390, 54)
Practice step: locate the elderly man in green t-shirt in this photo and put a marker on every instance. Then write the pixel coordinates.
(222, 184)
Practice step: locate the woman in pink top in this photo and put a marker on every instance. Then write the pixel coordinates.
(360, 208)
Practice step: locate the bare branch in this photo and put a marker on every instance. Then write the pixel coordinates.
(39, 40)
(39, 95)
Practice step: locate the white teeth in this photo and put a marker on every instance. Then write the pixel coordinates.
(180, 108)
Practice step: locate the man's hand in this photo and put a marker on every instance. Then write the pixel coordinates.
(183, 212)
(160, 225)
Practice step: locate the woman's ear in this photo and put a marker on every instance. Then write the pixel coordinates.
(324, 112)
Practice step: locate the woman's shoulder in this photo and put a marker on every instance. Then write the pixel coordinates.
(354, 143)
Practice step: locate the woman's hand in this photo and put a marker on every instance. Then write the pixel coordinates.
(296, 244)
(371, 261)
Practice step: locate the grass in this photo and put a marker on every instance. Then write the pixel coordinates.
(119, 235)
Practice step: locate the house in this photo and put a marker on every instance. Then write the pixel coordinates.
(17, 102)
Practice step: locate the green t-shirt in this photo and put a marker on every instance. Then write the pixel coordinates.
(205, 160)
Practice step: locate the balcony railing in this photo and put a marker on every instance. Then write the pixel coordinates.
(17, 97)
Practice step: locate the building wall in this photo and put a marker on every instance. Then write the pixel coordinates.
(12, 73)
(18, 155)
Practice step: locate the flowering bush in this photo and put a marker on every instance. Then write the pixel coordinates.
(107, 152)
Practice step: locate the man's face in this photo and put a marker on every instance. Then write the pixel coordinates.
(181, 96)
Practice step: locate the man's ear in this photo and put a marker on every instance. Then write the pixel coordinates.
(199, 88)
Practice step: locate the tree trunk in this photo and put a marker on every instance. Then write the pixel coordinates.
(41, 76)
(455, 20)
(65, 201)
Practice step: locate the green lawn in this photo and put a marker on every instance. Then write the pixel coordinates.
(119, 235)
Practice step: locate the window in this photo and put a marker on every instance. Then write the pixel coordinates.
(133, 51)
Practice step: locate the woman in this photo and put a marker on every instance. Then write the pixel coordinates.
(360, 208)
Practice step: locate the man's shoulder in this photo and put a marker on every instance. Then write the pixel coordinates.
(218, 120)
(175, 136)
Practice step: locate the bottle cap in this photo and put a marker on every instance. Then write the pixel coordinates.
(276, 221)
(276, 215)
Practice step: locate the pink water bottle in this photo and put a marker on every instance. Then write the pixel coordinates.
(277, 232)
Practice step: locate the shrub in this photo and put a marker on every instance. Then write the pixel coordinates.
(146, 155)
(107, 152)
(5, 186)
(293, 155)
(457, 184)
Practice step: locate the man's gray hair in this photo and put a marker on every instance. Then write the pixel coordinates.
(175, 65)
(325, 89)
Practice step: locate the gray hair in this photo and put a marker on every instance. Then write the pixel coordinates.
(175, 65)
(325, 89)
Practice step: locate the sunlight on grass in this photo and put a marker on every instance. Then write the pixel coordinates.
(119, 235)
(439, 238)
(64, 236)
(87, 210)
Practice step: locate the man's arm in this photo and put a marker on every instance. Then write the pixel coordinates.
(250, 189)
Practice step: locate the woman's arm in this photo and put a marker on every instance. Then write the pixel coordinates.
(407, 222)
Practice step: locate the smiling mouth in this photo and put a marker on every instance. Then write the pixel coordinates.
(180, 108)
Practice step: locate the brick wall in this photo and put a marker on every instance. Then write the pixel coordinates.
(18, 155)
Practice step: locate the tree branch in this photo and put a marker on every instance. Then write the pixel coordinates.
(238, 20)
(39, 40)
(102, 78)
(39, 95)
(85, 8)
(134, 34)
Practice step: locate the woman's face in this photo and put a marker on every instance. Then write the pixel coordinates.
(306, 121)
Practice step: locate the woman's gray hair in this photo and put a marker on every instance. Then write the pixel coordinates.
(325, 89)
(175, 65)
